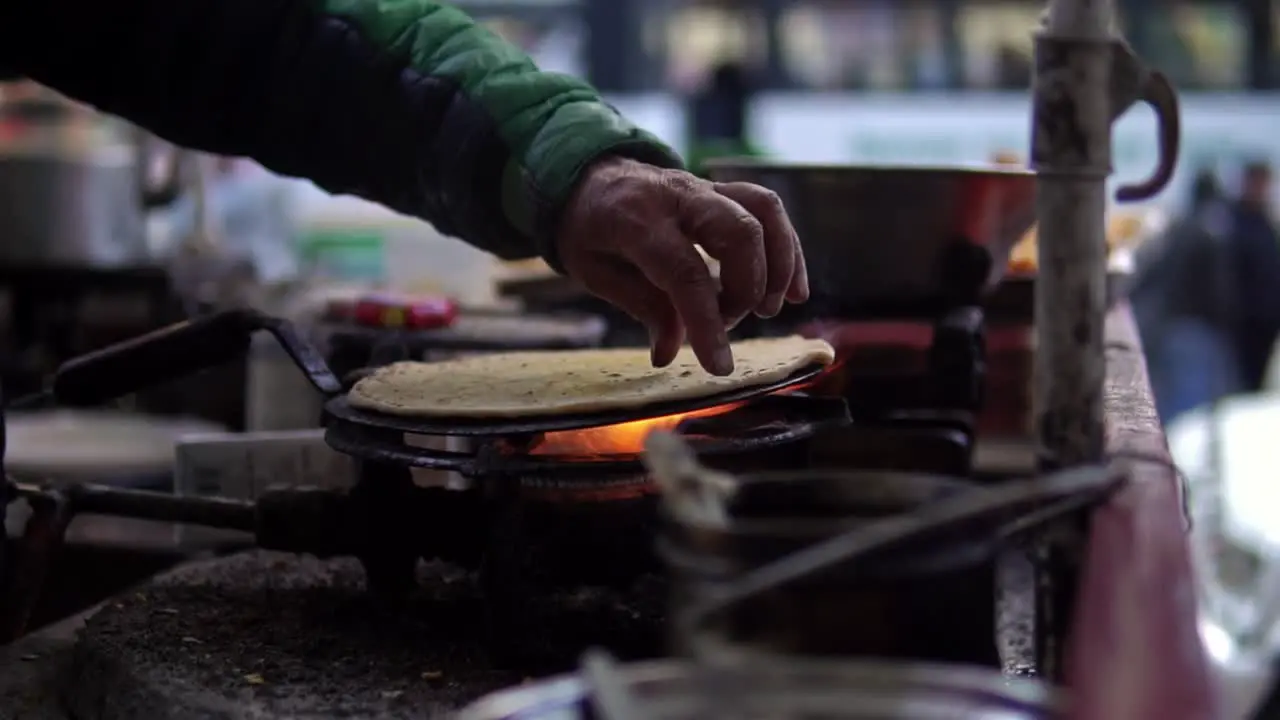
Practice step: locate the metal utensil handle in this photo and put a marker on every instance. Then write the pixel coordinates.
(611, 697)
(1158, 92)
(1091, 482)
(304, 355)
(177, 351)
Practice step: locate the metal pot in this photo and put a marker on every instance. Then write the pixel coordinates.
(896, 240)
(73, 192)
(931, 601)
(673, 690)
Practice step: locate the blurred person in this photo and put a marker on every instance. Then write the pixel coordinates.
(1255, 246)
(1183, 301)
(718, 117)
(411, 104)
(1013, 68)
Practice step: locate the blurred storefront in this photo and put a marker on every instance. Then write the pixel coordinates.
(552, 32)
(906, 45)
(892, 81)
(630, 46)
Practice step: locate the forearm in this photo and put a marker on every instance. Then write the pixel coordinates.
(400, 101)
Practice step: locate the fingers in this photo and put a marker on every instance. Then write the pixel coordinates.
(630, 236)
(778, 241)
(670, 263)
(731, 234)
(628, 290)
(798, 291)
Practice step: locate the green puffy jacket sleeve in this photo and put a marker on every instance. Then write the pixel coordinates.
(545, 127)
(408, 103)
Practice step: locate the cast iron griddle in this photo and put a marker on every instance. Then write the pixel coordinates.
(340, 409)
(265, 635)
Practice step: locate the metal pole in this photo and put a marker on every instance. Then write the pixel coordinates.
(1071, 153)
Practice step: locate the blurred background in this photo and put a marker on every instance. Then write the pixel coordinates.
(936, 82)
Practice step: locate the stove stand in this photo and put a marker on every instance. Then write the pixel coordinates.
(530, 523)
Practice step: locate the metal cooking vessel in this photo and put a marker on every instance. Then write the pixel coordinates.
(73, 193)
(930, 601)
(773, 515)
(897, 240)
(830, 690)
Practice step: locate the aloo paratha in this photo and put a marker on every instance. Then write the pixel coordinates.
(551, 382)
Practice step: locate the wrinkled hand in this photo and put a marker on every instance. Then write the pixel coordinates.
(628, 235)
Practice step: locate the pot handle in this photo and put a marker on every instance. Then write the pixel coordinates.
(1063, 491)
(177, 351)
(1158, 92)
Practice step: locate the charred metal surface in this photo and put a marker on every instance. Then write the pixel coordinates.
(584, 520)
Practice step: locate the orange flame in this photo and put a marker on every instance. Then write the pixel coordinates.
(628, 438)
(621, 439)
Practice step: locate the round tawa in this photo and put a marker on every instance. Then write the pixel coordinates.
(340, 409)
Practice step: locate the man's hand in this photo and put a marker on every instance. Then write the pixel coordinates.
(628, 234)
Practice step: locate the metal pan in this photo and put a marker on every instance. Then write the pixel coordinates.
(888, 240)
(340, 408)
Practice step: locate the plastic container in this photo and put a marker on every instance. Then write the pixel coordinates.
(346, 239)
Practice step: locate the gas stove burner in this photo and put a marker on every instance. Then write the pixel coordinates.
(742, 421)
(547, 507)
(580, 519)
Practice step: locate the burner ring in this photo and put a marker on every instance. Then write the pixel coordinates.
(789, 418)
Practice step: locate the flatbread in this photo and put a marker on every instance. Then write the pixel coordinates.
(558, 382)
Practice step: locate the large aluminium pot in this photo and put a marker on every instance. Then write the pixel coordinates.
(73, 192)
